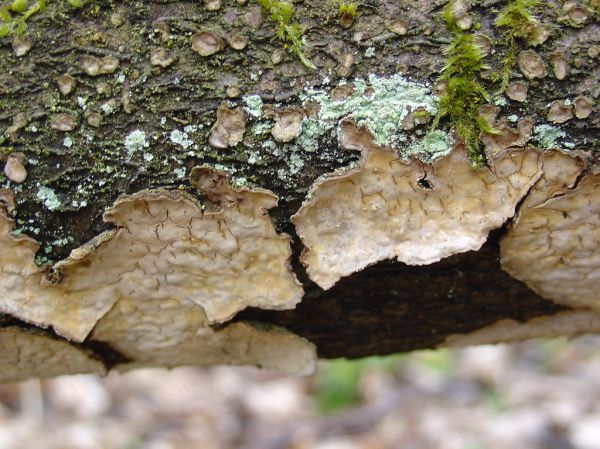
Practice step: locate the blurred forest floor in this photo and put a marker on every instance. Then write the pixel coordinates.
(532, 395)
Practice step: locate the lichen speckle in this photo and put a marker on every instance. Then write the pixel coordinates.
(433, 145)
(49, 198)
(380, 106)
(181, 138)
(547, 136)
(253, 105)
(136, 141)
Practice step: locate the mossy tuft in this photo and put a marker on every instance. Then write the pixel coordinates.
(463, 92)
(14, 14)
(517, 21)
(289, 33)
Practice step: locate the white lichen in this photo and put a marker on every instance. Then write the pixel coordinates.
(181, 138)
(136, 141)
(547, 136)
(253, 105)
(49, 198)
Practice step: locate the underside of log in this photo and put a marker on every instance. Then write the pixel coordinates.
(183, 187)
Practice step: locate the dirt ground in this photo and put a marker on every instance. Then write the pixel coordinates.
(533, 395)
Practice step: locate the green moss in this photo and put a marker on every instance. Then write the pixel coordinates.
(14, 15)
(463, 92)
(288, 32)
(516, 20)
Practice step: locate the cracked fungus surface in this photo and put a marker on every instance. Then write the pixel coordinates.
(168, 250)
(416, 212)
(27, 354)
(553, 246)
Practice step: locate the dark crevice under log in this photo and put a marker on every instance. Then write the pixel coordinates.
(392, 307)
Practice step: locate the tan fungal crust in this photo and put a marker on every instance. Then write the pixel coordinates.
(288, 124)
(27, 353)
(167, 248)
(553, 245)
(175, 336)
(229, 128)
(532, 65)
(206, 43)
(94, 66)
(560, 111)
(568, 323)
(415, 212)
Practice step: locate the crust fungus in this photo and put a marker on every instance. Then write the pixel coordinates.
(560, 111)
(415, 212)
(63, 122)
(21, 45)
(575, 13)
(568, 323)
(553, 245)
(532, 65)
(582, 106)
(559, 65)
(94, 66)
(206, 43)
(161, 57)
(229, 128)
(238, 42)
(517, 91)
(288, 124)
(151, 333)
(66, 84)
(166, 249)
(29, 353)
(14, 169)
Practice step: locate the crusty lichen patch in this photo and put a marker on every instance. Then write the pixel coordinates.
(416, 212)
(28, 353)
(554, 244)
(223, 255)
(567, 323)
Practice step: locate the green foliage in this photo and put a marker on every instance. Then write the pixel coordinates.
(14, 14)
(348, 9)
(518, 22)
(464, 94)
(289, 33)
(337, 382)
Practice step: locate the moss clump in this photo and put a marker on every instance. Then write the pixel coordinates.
(289, 33)
(463, 92)
(14, 14)
(517, 21)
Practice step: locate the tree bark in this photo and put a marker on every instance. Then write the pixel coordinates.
(112, 99)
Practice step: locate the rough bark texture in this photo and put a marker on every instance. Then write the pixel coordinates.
(83, 148)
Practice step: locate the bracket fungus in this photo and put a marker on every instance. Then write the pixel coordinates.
(167, 248)
(567, 323)
(229, 127)
(418, 213)
(29, 353)
(553, 244)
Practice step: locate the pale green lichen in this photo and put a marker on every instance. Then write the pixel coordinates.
(380, 106)
(253, 105)
(181, 138)
(49, 198)
(179, 172)
(434, 144)
(547, 136)
(135, 141)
